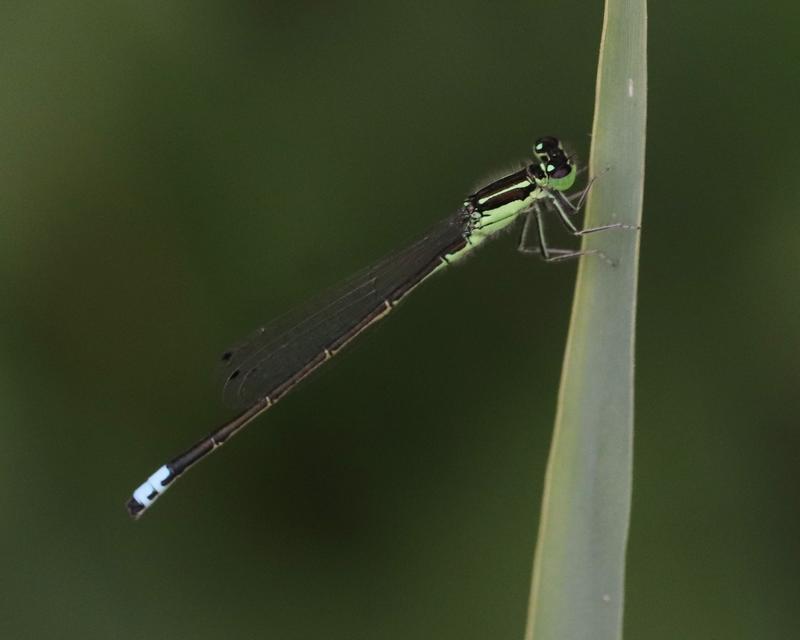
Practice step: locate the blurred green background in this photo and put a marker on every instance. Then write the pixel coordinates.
(174, 174)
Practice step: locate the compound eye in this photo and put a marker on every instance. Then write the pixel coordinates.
(560, 170)
(548, 145)
(560, 173)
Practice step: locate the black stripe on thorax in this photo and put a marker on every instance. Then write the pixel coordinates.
(503, 198)
(499, 185)
(499, 193)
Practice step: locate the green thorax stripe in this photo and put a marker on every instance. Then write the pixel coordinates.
(513, 187)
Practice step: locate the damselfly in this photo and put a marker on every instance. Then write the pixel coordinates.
(272, 361)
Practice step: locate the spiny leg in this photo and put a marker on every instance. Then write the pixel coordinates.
(557, 199)
(581, 197)
(550, 254)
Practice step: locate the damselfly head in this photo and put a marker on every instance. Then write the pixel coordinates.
(557, 173)
(546, 147)
(555, 170)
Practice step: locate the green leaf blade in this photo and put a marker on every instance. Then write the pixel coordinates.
(578, 580)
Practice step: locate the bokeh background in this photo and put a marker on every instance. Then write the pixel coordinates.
(174, 174)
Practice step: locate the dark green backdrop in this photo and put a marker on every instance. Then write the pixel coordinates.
(173, 174)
